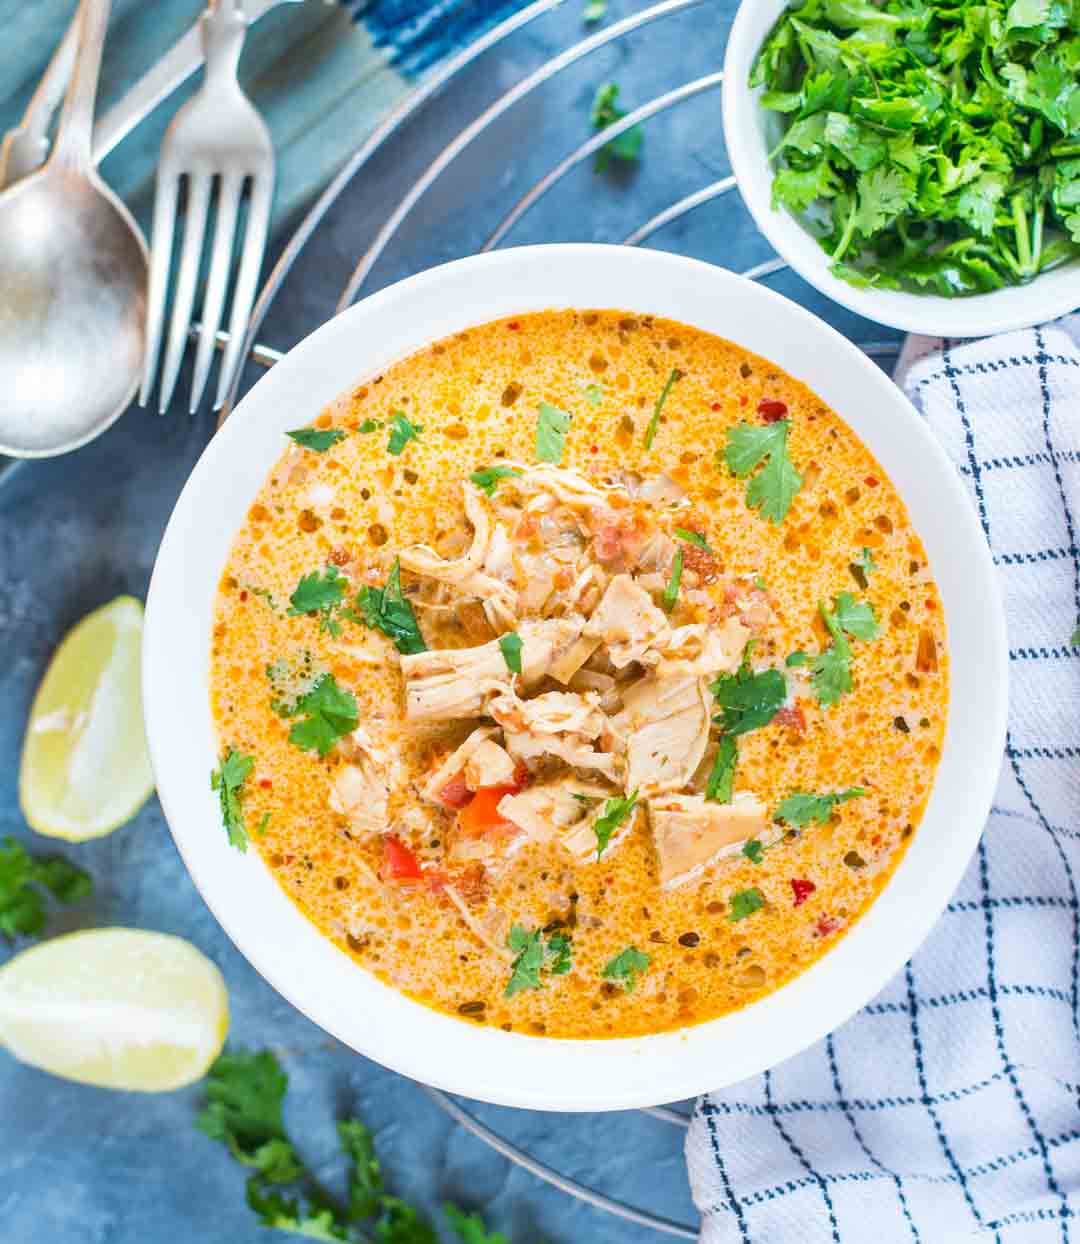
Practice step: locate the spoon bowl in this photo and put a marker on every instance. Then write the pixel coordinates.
(73, 277)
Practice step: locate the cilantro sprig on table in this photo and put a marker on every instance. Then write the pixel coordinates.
(626, 148)
(772, 490)
(23, 877)
(931, 147)
(244, 1112)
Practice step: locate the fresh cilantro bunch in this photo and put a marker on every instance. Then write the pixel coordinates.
(23, 877)
(930, 148)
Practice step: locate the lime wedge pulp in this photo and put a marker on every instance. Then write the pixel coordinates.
(119, 1008)
(85, 768)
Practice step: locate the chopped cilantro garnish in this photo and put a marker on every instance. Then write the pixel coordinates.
(654, 419)
(794, 659)
(318, 439)
(1074, 638)
(744, 903)
(626, 967)
(386, 609)
(614, 812)
(801, 807)
(594, 394)
(532, 957)
(831, 668)
(228, 780)
(671, 592)
(369, 426)
(773, 489)
(552, 425)
(692, 537)
(328, 713)
(321, 594)
(862, 568)
(264, 821)
(401, 432)
(749, 701)
(754, 851)
(721, 780)
(487, 478)
(627, 147)
(511, 645)
(594, 11)
(22, 907)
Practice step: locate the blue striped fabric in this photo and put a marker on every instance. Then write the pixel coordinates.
(947, 1109)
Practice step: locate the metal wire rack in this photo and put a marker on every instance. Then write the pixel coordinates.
(384, 238)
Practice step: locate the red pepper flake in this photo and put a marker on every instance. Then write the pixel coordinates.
(743, 400)
(265, 783)
(931, 604)
(594, 449)
(871, 481)
(876, 840)
(826, 926)
(803, 890)
(243, 595)
(513, 326)
(771, 410)
(717, 406)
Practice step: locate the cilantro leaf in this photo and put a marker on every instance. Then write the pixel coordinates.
(560, 949)
(856, 617)
(693, 537)
(525, 970)
(674, 376)
(795, 659)
(245, 1094)
(1074, 638)
(228, 780)
(749, 701)
(487, 478)
(510, 645)
(626, 967)
(386, 609)
(754, 851)
(22, 908)
(552, 425)
(365, 1176)
(470, 1228)
(401, 432)
(318, 439)
(328, 713)
(721, 781)
(594, 11)
(321, 594)
(627, 146)
(614, 812)
(801, 807)
(671, 591)
(744, 903)
(369, 426)
(831, 668)
(773, 489)
(862, 568)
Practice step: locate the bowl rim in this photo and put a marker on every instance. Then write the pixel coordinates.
(1048, 296)
(304, 965)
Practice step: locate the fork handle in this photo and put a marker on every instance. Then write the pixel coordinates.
(224, 28)
(72, 148)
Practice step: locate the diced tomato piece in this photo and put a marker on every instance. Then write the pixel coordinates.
(803, 890)
(826, 925)
(480, 815)
(792, 717)
(399, 863)
(455, 794)
(770, 410)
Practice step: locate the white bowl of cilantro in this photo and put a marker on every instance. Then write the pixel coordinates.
(920, 166)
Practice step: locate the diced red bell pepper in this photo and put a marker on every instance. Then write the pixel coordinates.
(481, 815)
(803, 890)
(399, 863)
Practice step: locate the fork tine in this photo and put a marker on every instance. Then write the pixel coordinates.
(262, 189)
(168, 185)
(217, 284)
(188, 274)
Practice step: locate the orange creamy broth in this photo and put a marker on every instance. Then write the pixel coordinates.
(476, 396)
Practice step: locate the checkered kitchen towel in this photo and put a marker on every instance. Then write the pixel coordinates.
(947, 1109)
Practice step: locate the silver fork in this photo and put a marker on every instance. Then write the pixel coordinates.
(216, 137)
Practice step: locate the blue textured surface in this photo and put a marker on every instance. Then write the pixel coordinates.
(78, 1164)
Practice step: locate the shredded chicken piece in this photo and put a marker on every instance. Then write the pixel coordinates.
(703, 650)
(585, 592)
(567, 487)
(469, 574)
(691, 833)
(473, 925)
(571, 659)
(454, 683)
(556, 811)
(627, 622)
(360, 790)
(665, 725)
(453, 767)
(562, 724)
(656, 555)
(489, 765)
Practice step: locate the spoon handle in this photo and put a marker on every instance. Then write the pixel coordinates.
(73, 140)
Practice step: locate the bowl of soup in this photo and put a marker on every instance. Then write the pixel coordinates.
(575, 677)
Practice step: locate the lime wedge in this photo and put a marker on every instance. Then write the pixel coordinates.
(85, 769)
(120, 1008)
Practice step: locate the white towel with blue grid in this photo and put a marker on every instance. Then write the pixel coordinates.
(947, 1109)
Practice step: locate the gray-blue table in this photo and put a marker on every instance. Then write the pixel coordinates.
(80, 1164)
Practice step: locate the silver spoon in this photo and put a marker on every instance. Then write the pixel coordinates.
(73, 273)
